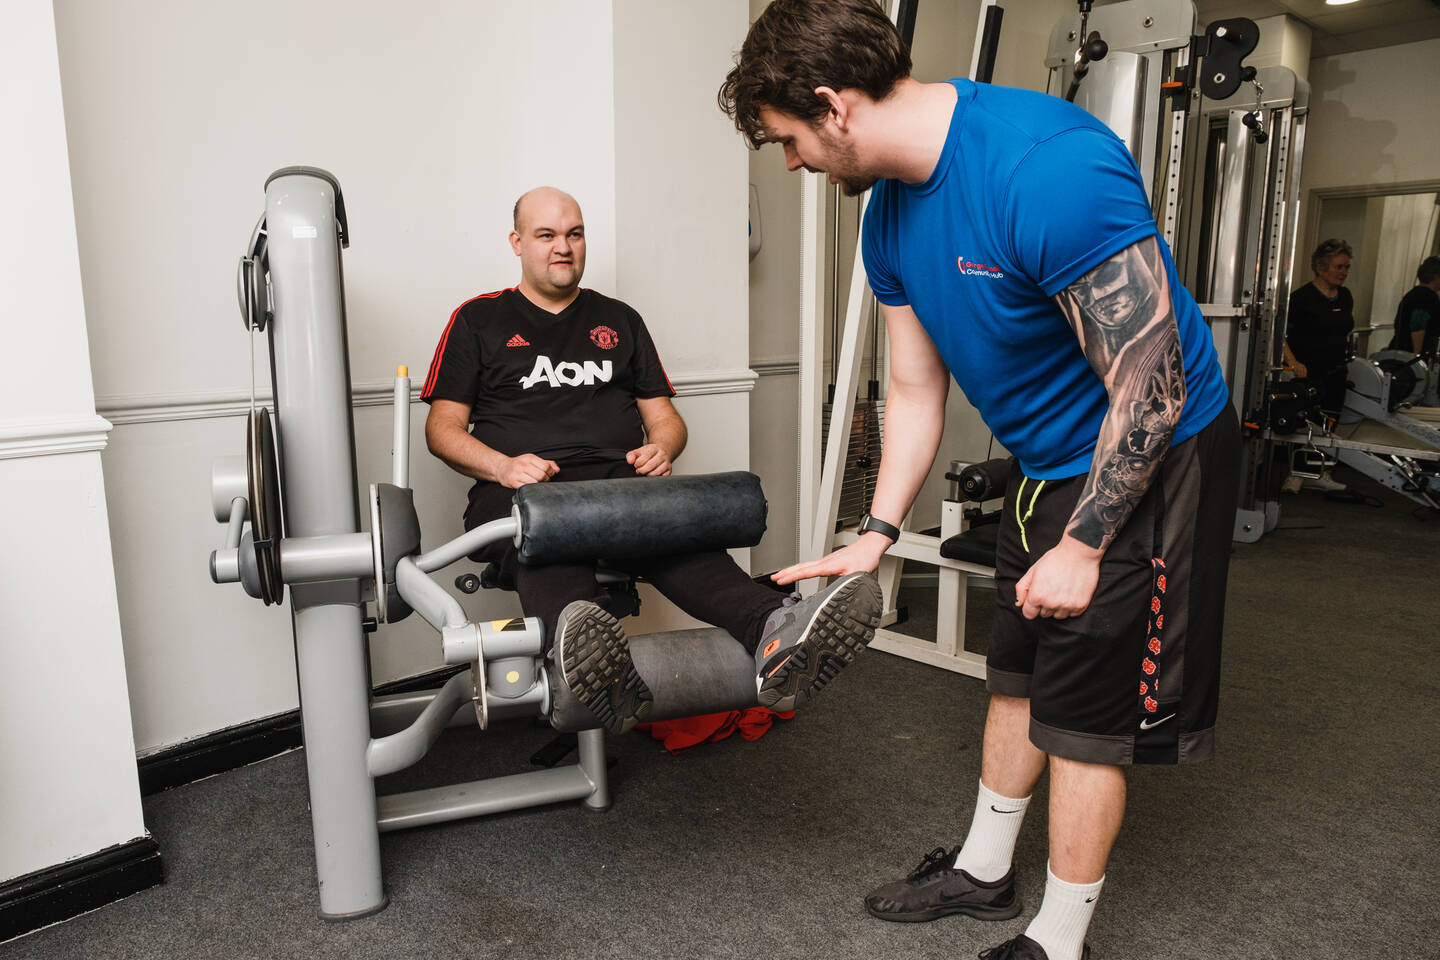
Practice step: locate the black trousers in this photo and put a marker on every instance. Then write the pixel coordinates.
(708, 586)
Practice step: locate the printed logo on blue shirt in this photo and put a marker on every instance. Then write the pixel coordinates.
(970, 268)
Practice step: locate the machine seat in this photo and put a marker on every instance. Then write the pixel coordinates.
(975, 545)
(621, 598)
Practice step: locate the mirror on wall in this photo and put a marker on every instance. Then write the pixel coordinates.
(1391, 232)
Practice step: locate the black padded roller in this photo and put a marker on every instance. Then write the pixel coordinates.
(986, 480)
(638, 517)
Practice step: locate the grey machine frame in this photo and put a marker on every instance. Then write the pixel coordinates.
(1223, 172)
(1224, 179)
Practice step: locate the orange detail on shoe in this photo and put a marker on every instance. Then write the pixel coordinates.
(771, 647)
(776, 668)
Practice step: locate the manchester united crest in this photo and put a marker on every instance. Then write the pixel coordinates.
(604, 338)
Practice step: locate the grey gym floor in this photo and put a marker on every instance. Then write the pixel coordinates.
(1314, 834)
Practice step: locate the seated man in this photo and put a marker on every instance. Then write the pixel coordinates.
(547, 382)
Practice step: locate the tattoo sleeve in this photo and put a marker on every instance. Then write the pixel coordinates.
(1123, 314)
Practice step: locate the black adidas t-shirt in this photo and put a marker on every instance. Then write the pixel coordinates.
(561, 386)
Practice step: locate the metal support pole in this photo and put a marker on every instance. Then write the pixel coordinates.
(400, 750)
(466, 544)
(592, 761)
(309, 366)
(814, 226)
(400, 452)
(307, 559)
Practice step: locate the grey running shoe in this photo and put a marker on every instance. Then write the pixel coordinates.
(1023, 948)
(805, 645)
(937, 889)
(594, 659)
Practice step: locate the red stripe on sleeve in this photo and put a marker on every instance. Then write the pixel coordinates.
(435, 362)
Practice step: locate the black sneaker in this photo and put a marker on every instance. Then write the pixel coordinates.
(1023, 948)
(806, 644)
(594, 659)
(936, 888)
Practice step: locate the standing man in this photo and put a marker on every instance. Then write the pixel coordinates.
(1010, 242)
(547, 382)
(1417, 318)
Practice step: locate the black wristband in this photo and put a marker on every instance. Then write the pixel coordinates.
(868, 523)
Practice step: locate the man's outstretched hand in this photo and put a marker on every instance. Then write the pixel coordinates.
(526, 468)
(650, 460)
(862, 555)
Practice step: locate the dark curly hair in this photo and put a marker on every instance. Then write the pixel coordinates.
(1429, 270)
(798, 45)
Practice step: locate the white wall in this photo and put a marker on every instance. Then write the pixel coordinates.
(1284, 42)
(680, 197)
(1373, 117)
(71, 784)
(774, 311)
(434, 118)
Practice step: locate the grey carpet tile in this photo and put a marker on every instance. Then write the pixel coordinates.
(1313, 834)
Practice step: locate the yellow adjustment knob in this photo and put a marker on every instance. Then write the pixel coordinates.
(402, 371)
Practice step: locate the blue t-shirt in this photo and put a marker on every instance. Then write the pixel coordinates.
(1030, 194)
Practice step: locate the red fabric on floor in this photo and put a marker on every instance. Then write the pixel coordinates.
(686, 732)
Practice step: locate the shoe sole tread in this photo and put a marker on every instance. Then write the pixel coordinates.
(598, 669)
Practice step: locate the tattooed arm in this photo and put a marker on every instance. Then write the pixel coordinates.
(1124, 317)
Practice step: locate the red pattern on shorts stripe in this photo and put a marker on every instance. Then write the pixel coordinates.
(1150, 664)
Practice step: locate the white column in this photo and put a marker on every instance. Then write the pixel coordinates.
(71, 787)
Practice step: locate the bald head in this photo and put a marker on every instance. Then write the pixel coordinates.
(541, 197)
(549, 239)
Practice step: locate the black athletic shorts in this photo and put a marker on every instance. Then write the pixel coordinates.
(1135, 678)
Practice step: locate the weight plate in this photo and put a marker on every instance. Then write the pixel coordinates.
(482, 702)
(266, 524)
(382, 611)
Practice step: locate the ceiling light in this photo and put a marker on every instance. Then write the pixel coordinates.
(1337, 3)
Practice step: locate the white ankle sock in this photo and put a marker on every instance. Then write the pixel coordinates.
(1064, 916)
(990, 844)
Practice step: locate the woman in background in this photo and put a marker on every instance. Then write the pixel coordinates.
(1317, 335)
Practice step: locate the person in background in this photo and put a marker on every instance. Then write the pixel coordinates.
(1417, 319)
(1317, 338)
